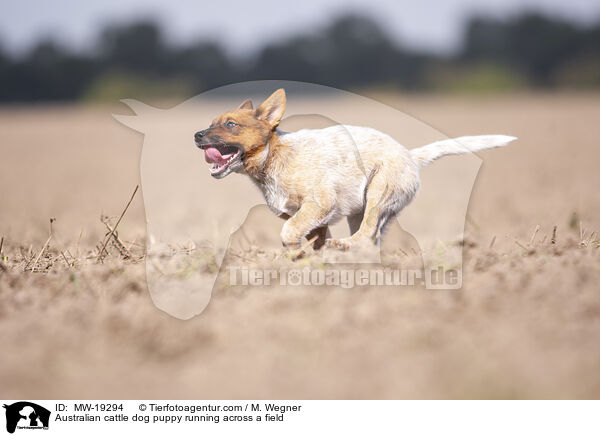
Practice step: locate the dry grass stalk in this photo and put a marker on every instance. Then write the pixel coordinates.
(34, 266)
(535, 232)
(2, 257)
(309, 243)
(116, 241)
(65, 258)
(516, 241)
(78, 242)
(403, 252)
(110, 236)
(297, 254)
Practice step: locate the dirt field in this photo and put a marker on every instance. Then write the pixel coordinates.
(526, 323)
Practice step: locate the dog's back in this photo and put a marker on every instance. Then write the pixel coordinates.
(343, 158)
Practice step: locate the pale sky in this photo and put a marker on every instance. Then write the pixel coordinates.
(244, 26)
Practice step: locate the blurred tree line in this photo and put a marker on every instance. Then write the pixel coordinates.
(133, 60)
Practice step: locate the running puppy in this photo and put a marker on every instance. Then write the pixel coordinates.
(312, 178)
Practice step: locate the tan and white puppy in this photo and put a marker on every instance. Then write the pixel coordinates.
(312, 178)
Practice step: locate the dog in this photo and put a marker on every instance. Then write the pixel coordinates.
(314, 177)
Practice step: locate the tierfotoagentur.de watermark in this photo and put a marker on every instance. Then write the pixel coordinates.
(346, 278)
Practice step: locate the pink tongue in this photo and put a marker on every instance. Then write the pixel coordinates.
(212, 155)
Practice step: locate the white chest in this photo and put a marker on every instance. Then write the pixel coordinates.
(278, 198)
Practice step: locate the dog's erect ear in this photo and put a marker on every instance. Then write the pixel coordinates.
(272, 108)
(247, 104)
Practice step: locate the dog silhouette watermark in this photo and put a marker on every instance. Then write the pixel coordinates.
(188, 210)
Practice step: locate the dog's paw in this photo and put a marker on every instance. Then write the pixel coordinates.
(339, 244)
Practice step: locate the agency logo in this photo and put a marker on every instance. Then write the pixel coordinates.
(26, 415)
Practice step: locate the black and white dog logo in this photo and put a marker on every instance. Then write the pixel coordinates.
(26, 415)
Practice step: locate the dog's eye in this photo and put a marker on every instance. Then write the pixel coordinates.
(230, 124)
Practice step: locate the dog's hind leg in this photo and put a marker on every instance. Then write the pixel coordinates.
(385, 197)
(377, 195)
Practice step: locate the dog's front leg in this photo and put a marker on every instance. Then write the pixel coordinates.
(320, 233)
(309, 217)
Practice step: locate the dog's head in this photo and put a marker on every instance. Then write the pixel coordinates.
(236, 138)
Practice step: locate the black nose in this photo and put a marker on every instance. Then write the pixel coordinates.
(198, 135)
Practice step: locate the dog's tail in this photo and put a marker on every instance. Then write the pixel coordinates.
(465, 144)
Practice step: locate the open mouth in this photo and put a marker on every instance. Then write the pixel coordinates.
(221, 156)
